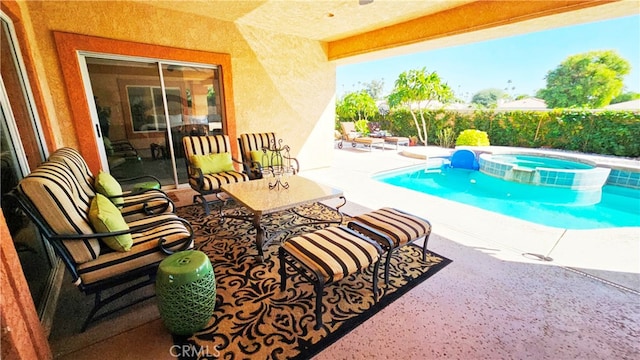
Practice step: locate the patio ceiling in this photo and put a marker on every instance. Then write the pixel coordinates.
(355, 32)
(323, 20)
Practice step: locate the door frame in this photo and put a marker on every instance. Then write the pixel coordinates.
(70, 45)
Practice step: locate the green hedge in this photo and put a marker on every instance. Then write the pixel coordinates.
(599, 132)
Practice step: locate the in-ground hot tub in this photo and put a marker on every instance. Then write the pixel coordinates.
(545, 170)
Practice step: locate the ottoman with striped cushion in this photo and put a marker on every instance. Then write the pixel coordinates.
(392, 229)
(327, 256)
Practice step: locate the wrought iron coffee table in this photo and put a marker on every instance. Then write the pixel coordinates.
(257, 197)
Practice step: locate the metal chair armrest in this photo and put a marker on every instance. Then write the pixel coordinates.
(138, 178)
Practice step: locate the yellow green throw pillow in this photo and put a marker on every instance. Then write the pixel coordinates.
(271, 158)
(105, 217)
(213, 163)
(108, 186)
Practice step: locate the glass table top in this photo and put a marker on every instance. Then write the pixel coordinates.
(257, 197)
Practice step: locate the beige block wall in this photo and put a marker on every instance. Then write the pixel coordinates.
(281, 83)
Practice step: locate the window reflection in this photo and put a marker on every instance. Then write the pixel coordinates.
(150, 119)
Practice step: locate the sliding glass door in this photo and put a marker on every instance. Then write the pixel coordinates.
(145, 107)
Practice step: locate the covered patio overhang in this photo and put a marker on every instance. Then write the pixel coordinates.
(279, 56)
(355, 32)
(282, 59)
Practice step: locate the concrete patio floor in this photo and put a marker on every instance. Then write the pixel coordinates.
(610, 254)
(490, 303)
(493, 302)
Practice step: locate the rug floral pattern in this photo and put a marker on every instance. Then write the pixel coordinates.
(253, 319)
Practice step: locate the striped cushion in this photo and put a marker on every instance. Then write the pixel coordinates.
(213, 144)
(144, 251)
(72, 158)
(401, 228)
(256, 141)
(203, 145)
(214, 181)
(57, 195)
(133, 207)
(333, 252)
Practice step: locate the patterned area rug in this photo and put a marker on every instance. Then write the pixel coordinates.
(253, 319)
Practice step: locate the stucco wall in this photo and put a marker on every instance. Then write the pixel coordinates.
(281, 83)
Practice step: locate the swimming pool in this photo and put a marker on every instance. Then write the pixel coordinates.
(613, 206)
(545, 170)
(537, 161)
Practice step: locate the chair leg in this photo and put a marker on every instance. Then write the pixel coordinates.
(376, 266)
(283, 270)
(319, 288)
(424, 248)
(97, 304)
(387, 265)
(205, 204)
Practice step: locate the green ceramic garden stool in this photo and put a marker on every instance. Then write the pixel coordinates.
(186, 291)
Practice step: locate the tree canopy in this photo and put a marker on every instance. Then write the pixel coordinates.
(374, 88)
(589, 80)
(488, 98)
(414, 89)
(358, 105)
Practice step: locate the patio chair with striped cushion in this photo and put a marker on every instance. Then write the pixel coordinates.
(210, 165)
(134, 205)
(53, 198)
(253, 142)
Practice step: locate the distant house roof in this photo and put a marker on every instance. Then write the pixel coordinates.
(436, 105)
(459, 106)
(524, 104)
(627, 105)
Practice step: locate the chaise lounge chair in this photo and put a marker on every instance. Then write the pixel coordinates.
(119, 151)
(349, 133)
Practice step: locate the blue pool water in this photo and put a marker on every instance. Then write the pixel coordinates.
(614, 206)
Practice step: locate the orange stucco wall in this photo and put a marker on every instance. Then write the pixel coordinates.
(280, 83)
(16, 11)
(22, 335)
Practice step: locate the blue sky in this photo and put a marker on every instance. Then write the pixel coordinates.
(523, 59)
